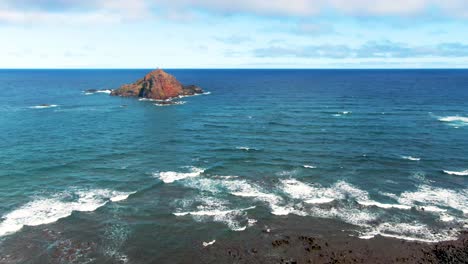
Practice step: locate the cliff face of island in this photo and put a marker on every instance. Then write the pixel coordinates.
(157, 85)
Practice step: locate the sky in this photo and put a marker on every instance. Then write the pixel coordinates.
(234, 34)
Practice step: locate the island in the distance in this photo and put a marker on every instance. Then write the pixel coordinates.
(157, 85)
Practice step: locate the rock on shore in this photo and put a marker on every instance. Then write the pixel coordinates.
(157, 85)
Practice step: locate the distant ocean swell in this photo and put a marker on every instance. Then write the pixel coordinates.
(340, 201)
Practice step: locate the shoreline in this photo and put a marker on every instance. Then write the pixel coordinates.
(299, 240)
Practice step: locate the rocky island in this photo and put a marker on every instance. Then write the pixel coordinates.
(157, 85)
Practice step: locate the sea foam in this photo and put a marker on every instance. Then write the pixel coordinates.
(409, 231)
(455, 121)
(43, 106)
(432, 199)
(105, 91)
(217, 210)
(172, 176)
(411, 158)
(457, 173)
(48, 210)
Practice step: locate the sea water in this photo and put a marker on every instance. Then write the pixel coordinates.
(385, 151)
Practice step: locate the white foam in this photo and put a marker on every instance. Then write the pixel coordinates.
(319, 200)
(43, 106)
(446, 218)
(121, 197)
(244, 148)
(240, 188)
(216, 210)
(432, 198)
(385, 206)
(454, 119)
(409, 231)
(457, 173)
(411, 158)
(171, 104)
(206, 244)
(48, 210)
(172, 176)
(105, 91)
(309, 166)
(251, 222)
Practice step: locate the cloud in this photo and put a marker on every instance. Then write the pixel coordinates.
(234, 40)
(134, 9)
(371, 49)
(71, 11)
(313, 7)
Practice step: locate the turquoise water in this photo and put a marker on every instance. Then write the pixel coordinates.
(123, 179)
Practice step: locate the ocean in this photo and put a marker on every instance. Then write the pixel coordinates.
(92, 178)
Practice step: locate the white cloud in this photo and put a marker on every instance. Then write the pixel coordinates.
(21, 11)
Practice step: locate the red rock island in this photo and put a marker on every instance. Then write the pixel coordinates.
(157, 85)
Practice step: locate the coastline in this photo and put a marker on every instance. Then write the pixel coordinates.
(300, 240)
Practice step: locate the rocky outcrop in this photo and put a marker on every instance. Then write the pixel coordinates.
(157, 85)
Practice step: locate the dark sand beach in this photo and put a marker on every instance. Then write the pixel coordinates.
(297, 240)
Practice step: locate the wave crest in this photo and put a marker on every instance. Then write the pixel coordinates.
(49, 210)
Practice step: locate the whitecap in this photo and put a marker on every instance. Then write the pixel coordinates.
(309, 166)
(172, 176)
(455, 121)
(411, 158)
(457, 173)
(43, 106)
(246, 148)
(48, 210)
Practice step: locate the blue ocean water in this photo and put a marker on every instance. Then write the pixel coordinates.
(383, 150)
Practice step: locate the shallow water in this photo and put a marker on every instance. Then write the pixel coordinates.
(122, 179)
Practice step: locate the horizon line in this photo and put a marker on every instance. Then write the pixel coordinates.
(402, 68)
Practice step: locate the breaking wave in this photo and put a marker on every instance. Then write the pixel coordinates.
(217, 210)
(48, 210)
(340, 200)
(90, 92)
(172, 176)
(457, 173)
(411, 158)
(455, 120)
(45, 106)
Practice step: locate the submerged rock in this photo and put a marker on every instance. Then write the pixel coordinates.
(157, 85)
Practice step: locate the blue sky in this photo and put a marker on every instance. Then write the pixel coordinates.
(234, 34)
